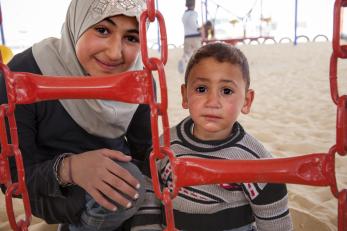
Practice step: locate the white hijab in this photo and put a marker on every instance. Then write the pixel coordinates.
(58, 57)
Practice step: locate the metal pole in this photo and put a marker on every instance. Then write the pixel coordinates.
(202, 3)
(206, 11)
(261, 19)
(1, 28)
(296, 22)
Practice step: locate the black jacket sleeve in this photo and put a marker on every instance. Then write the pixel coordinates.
(139, 136)
(48, 200)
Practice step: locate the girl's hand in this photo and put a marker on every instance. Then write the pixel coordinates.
(99, 175)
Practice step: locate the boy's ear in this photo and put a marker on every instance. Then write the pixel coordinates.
(248, 101)
(184, 96)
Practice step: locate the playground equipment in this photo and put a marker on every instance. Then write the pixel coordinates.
(262, 37)
(237, 19)
(317, 169)
(5, 52)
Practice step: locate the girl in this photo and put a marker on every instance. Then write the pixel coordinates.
(77, 153)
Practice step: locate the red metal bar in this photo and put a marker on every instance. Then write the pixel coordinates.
(30, 88)
(312, 169)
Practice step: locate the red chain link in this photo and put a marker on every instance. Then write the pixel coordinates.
(342, 215)
(9, 150)
(158, 109)
(339, 51)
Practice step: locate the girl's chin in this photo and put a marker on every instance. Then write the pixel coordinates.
(104, 73)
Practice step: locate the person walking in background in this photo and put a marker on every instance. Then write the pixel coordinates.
(216, 91)
(192, 34)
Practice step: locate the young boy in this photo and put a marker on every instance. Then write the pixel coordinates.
(216, 91)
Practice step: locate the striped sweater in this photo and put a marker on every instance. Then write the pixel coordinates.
(217, 207)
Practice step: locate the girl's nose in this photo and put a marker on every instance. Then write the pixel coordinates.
(115, 48)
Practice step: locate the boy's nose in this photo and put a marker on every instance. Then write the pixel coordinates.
(213, 99)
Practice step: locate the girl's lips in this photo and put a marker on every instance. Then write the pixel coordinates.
(106, 66)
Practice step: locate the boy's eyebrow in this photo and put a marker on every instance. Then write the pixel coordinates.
(115, 24)
(228, 81)
(207, 79)
(201, 79)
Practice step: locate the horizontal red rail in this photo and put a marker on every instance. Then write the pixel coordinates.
(29, 88)
(312, 169)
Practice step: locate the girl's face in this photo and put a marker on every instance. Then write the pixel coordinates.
(110, 46)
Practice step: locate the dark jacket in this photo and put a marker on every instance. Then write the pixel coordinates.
(45, 131)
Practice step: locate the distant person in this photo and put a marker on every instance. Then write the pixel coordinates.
(207, 30)
(80, 155)
(216, 91)
(192, 34)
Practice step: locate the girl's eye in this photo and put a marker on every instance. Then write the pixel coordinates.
(133, 39)
(227, 91)
(201, 89)
(102, 30)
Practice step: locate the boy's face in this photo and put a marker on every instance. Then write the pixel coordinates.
(110, 46)
(215, 95)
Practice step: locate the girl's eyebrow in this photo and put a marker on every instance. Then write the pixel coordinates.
(110, 21)
(115, 24)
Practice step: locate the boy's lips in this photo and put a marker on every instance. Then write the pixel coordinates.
(212, 117)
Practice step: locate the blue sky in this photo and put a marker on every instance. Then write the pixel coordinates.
(29, 21)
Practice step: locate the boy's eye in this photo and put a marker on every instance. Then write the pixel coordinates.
(201, 89)
(102, 30)
(227, 91)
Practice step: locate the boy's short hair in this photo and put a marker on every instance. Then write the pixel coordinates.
(222, 52)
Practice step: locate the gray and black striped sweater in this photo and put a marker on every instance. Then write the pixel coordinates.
(217, 207)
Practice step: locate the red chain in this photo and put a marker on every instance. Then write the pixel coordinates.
(158, 108)
(9, 150)
(339, 51)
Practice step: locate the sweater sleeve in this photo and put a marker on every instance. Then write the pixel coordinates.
(269, 204)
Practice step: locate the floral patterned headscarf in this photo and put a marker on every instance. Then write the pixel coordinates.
(58, 57)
